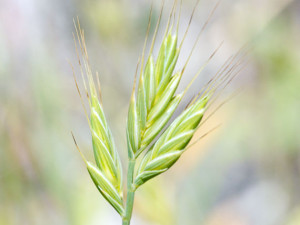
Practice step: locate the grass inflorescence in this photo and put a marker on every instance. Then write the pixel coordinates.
(154, 99)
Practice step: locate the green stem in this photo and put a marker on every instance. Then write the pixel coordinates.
(130, 193)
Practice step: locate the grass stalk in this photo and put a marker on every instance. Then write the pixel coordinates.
(130, 193)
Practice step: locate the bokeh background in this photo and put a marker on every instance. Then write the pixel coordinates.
(247, 172)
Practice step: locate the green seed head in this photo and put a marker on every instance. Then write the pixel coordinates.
(156, 99)
(105, 154)
(170, 145)
(107, 173)
(152, 104)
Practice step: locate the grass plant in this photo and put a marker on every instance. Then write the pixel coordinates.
(153, 102)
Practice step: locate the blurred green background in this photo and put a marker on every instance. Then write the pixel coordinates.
(245, 173)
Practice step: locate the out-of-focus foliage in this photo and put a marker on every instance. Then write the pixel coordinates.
(250, 171)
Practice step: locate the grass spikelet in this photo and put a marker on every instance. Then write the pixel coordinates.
(156, 98)
(107, 173)
(157, 85)
(171, 144)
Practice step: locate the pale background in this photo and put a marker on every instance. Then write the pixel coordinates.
(245, 173)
